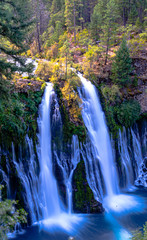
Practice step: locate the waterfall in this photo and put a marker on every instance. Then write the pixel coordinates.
(29, 179)
(95, 123)
(92, 168)
(68, 168)
(126, 163)
(132, 163)
(140, 166)
(50, 198)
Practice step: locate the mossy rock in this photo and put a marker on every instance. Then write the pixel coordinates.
(83, 198)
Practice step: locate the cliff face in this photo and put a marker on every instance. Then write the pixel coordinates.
(140, 69)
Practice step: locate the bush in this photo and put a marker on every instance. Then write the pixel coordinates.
(111, 94)
(128, 113)
(138, 235)
(9, 216)
(44, 70)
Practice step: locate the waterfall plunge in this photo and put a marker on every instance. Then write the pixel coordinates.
(94, 120)
(53, 214)
(102, 154)
(50, 197)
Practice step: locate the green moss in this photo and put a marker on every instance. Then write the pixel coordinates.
(83, 195)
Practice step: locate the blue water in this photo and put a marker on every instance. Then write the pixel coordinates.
(106, 226)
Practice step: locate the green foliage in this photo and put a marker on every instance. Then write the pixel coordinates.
(9, 216)
(83, 38)
(17, 114)
(121, 67)
(139, 235)
(14, 26)
(111, 94)
(128, 113)
(137, 44)
(113, 124)
(97, 19)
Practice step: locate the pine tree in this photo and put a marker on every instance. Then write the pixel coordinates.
(121, 67)
(72, 16)
(110, 25)
(14, 24)
(97, 19)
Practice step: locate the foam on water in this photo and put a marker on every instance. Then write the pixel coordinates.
(63, 222)
(123, 203)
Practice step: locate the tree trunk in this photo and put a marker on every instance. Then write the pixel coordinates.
(107, 49)
(74, 22)
(38, 37)
(66, 66)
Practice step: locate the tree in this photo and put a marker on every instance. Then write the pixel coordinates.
(71, 15)
(97, 19)
(121, 67)
(14, 25)
(64, 50)
(41, 18)
(110, 25)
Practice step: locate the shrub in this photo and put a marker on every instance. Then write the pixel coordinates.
(9, 216)
(44, 70)
(138, 235)
(111, 94)
(128, 112)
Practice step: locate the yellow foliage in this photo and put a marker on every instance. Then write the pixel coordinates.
(44, 70)
(52, 52)
(72, 99)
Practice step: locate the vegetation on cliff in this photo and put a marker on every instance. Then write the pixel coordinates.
(105, 40)
(10, 216)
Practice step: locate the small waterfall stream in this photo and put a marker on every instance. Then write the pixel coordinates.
(126, 163)
(68, 168)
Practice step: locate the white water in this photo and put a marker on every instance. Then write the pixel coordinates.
(99, 159)
(68, 168)
(95, 123)
(50, 198)
(126, 163)
(29, 180)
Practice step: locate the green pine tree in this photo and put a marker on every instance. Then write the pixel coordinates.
(97, 19)
(121, 67)
(14, 26)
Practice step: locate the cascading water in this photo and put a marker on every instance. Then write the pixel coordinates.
(132, 162)
(140, 165)
(50, 198)
(94, 120)
(101, 158)
(29, 180)
(53, 213)
(126, 163)
(68, 168)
